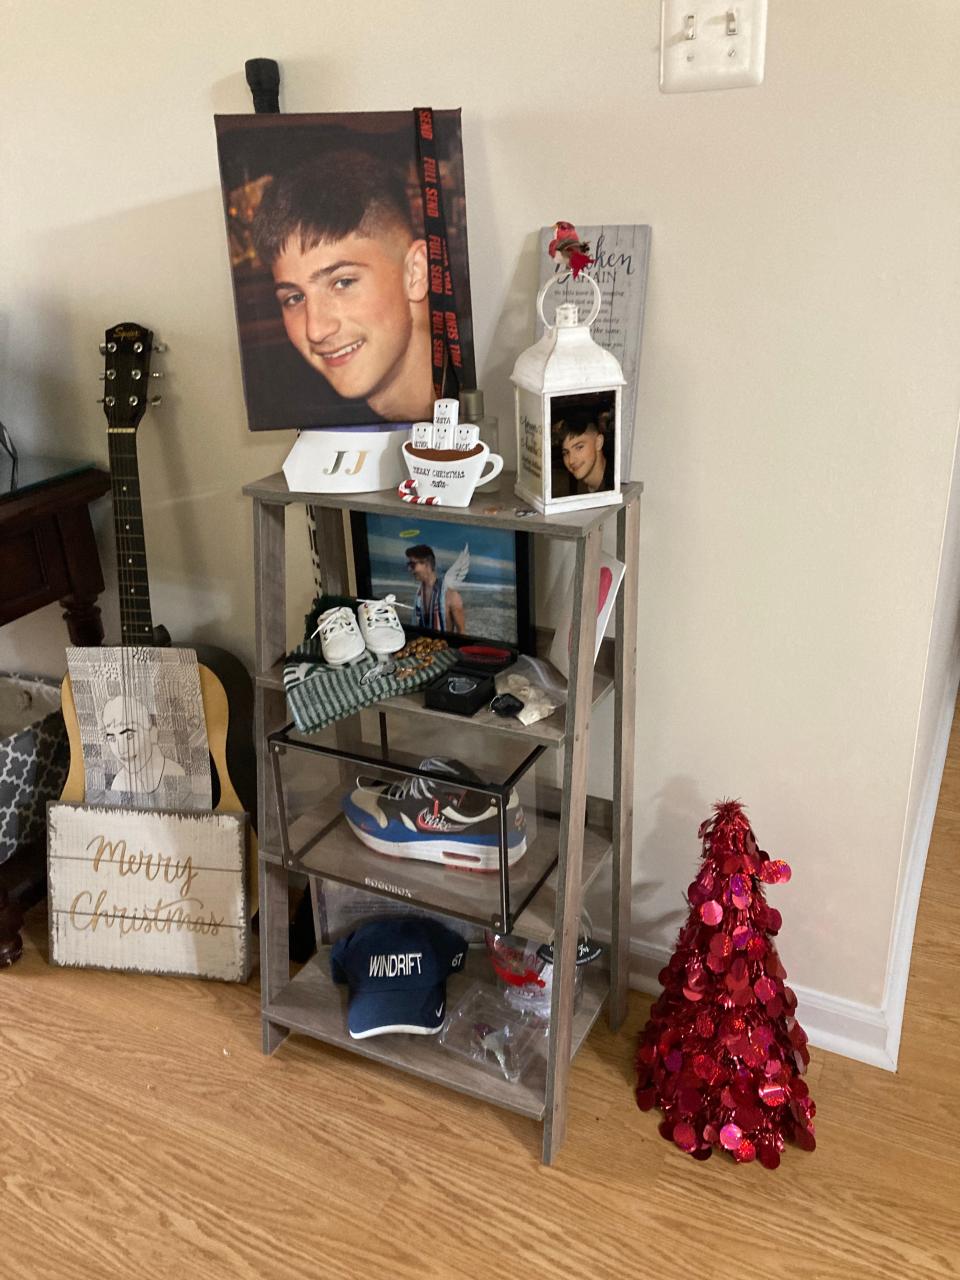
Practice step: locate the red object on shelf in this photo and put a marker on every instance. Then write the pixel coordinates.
(486, 655)
(722, 1054)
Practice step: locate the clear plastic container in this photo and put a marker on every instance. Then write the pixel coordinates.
(524, 978)
(486, 1030)
(379, 801)
(472, 410)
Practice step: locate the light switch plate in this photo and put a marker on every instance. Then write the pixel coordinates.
(711, 45)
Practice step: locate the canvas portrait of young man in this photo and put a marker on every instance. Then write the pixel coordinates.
(330, 264)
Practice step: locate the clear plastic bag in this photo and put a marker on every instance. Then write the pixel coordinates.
(483, 1029)
(537, 685)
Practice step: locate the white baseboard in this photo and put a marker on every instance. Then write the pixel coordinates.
(841, 1026)
(866, 1033)
(911, 881)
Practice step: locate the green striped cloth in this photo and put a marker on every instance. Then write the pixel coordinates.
(318, 694)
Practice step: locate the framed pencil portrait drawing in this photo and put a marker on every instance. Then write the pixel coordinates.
(450, 579)
(332, 263)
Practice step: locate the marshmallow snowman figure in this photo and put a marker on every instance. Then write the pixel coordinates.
(446, 459)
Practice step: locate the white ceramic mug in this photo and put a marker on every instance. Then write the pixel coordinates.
(452, 478)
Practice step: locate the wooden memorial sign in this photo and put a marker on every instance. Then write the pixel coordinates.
(621, 259)
(148, 891)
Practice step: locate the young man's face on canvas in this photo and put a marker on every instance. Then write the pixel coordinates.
(356, 310)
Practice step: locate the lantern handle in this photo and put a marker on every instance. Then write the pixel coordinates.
(597, 299)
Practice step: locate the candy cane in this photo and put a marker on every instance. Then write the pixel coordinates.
(407, 490)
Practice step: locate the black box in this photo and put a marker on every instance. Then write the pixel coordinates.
(462, 692)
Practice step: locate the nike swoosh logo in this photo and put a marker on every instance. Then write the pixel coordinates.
(439, 1013)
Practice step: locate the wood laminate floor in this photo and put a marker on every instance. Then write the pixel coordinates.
(143, 1133)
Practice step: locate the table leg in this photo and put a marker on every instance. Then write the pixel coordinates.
(11, 918)
(82, 616)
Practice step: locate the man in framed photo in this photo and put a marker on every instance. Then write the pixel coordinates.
(351, 279)
(438, 605)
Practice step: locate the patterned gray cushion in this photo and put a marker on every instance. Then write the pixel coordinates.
(33, 761)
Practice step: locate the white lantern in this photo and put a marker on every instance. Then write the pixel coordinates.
(568, 392)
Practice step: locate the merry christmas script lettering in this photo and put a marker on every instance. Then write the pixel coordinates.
(181, 911)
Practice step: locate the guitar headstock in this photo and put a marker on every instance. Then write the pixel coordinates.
(127, 349)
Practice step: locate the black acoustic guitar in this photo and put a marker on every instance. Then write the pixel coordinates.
(224, 681)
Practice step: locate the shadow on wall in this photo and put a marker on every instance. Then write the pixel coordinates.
(515, 330)
(680, 810)
(164, 265)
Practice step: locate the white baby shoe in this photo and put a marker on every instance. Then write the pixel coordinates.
(380, 626)
(340, 638)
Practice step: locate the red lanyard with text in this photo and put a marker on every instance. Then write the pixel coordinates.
(444, 325)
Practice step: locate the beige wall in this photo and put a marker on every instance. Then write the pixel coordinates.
(799, 390)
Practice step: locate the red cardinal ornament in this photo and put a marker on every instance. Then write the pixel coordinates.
(574, 251)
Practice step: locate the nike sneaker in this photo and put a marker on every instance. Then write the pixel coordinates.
(435, 819)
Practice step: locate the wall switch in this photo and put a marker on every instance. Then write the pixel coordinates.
(707, 44)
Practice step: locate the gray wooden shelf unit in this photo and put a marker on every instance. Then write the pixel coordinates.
(310, 1003)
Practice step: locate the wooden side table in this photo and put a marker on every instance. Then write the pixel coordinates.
(47, 553)
(47, 548)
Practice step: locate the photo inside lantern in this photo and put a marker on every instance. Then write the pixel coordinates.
(583, 446)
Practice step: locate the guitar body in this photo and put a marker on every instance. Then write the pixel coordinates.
(227, 709)
(225, 685)
(229, 736)
(239, 772)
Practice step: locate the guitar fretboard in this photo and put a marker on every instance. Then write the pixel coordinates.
(136, 620)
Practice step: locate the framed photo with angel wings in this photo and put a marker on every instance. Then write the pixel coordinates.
(455, 580)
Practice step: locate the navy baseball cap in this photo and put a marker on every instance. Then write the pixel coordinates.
(397, 969)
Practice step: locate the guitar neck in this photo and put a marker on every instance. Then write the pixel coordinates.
(136, 619)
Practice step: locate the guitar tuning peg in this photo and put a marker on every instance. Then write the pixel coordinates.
(156, 375)
(138, 347)
(111, 347)
(160, 346)
(133, 401)
(107, 400)
(101, 376)
(156, 399)
(103, 348)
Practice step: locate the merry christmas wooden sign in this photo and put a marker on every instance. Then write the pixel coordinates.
(148, 892)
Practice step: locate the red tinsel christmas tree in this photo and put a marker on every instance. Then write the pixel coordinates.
(722, 1054)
